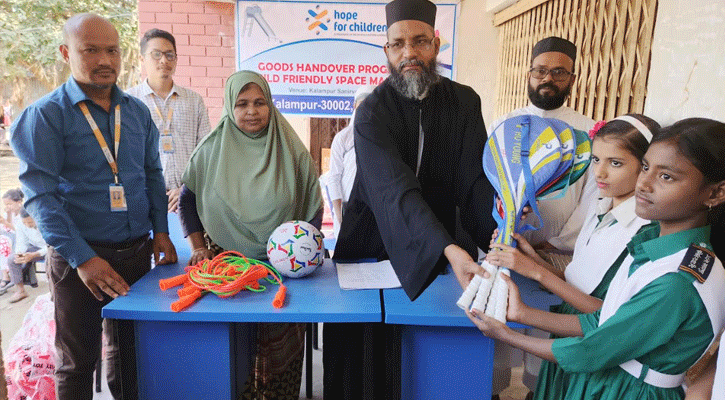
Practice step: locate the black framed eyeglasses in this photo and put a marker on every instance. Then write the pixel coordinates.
(156, 55)
(557, 74)
(420, 44)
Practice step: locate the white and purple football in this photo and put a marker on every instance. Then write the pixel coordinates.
(295, 249)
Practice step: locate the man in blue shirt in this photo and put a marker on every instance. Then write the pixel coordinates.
(91, 173)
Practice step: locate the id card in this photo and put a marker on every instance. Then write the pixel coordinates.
(118, 198)
(167, 144)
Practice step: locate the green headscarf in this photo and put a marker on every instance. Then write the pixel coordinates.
(247, 185)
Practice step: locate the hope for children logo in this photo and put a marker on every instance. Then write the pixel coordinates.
(317, 20)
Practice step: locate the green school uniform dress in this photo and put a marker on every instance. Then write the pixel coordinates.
(665, 326)
(553, 380)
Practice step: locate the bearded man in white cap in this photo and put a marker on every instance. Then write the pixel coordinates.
(550, 80)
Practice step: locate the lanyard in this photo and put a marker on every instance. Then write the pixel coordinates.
(101, 141)
(166, 123)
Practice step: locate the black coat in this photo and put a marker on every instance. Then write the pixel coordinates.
(410, 220)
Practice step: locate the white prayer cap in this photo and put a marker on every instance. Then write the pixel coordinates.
(363, 92)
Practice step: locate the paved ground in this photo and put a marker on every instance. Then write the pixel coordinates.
(11, 315)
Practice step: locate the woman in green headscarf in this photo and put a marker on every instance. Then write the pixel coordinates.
(245, 178)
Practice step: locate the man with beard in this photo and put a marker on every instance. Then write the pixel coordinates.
(419, 138)
(90, 170)
(179, 113)
(550, 80)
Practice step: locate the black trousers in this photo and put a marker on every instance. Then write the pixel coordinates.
(361, 361)
(79, 324)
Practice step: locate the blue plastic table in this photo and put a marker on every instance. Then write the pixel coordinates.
(201, 352)
(444, 356)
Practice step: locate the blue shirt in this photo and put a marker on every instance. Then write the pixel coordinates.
(66, 177)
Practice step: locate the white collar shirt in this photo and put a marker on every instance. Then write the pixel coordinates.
(600, 243)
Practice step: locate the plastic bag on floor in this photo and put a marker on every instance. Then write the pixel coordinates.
(30, 360)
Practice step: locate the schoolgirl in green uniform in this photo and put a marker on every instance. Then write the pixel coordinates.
(611, 222)
(665, 303)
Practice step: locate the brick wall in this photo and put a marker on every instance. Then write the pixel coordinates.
(204, 32)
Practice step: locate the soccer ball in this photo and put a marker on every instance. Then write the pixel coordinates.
(295, 249)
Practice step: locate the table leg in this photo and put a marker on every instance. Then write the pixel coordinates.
(186, 360)
(308, 360)
(445, 362)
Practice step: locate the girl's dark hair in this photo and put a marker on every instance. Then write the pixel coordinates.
(628, 136)
(23, 213)
(702, 141)
(14, 195)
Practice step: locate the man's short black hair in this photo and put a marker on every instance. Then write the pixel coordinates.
(23, 213)
(156, 33)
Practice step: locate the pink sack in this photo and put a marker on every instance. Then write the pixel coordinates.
(30, 360)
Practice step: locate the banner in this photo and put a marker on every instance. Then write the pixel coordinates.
(316, 54)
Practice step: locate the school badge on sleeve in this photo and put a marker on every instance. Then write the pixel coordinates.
(698, 261)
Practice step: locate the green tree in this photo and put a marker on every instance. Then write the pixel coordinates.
(31, 31)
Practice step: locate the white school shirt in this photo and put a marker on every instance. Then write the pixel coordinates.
(189, 124)
(563, 217)
(600, 244)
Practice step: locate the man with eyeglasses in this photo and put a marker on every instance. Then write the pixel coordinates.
(550, 80)
(179, 113)
(419, 138)
(91, 174)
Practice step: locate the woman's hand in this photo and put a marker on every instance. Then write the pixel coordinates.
(489, 326)
(516, 310)
(524, 245)
(503, 255)
(200, 254)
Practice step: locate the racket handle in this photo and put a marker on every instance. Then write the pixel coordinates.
(464, 302)
(501, 296)
(482, 296)
(491, 305)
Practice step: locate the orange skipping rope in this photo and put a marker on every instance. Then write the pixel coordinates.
(225, 275)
